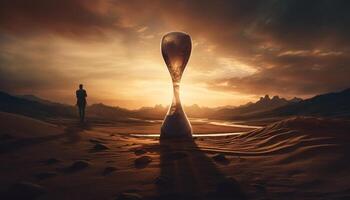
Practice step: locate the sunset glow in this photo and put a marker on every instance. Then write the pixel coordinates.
(113, 48)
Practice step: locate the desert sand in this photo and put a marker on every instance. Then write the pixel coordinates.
(296, 158)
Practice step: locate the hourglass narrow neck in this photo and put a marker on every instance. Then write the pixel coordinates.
(176, 91)
(176, 104)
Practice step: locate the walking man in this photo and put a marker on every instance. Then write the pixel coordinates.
(81, 101)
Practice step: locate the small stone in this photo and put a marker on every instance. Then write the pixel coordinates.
(100, 147)
(129, 196)
(142, 161)
(24, 190)
(78, 165)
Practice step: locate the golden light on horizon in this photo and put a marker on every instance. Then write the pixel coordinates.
(116, 75)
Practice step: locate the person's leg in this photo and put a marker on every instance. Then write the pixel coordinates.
(83, 113)
(80, 112)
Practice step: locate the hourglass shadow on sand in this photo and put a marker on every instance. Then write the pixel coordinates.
(186, 172)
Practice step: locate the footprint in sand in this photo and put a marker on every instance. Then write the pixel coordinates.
(99, 147)
(142, 162)
(77, 166)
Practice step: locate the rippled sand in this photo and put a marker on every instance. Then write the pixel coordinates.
(297, 158)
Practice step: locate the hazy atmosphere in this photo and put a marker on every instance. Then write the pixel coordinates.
(241, 50)
(174, 99)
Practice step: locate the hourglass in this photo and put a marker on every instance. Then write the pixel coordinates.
(176, 50)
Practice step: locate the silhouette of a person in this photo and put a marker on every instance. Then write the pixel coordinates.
(81, 101)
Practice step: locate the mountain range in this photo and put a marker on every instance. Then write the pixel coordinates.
(336, 104)
(263, 104)
(325, 105)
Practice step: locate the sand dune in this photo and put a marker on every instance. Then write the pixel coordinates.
(297, 158)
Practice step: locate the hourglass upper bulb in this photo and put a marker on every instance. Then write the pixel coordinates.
(176, 50)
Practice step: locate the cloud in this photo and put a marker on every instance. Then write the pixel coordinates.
(294, 79)
(57, 16)
(297, 47)
(239, 47)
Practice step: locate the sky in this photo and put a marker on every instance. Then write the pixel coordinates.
(241, 50)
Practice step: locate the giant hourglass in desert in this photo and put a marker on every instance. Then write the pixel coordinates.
(176, 49)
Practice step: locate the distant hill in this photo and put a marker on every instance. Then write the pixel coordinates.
(156, 112)
(263, 104)
(33, 108)
(35, 98)
(336, 104)
(108, 112)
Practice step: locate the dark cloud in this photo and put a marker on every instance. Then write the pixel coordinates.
(306, 24)
(71, 18)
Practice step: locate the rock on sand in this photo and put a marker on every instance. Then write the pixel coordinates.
(77, 166)
(100, 147)
(221, 158)
(142, 161)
